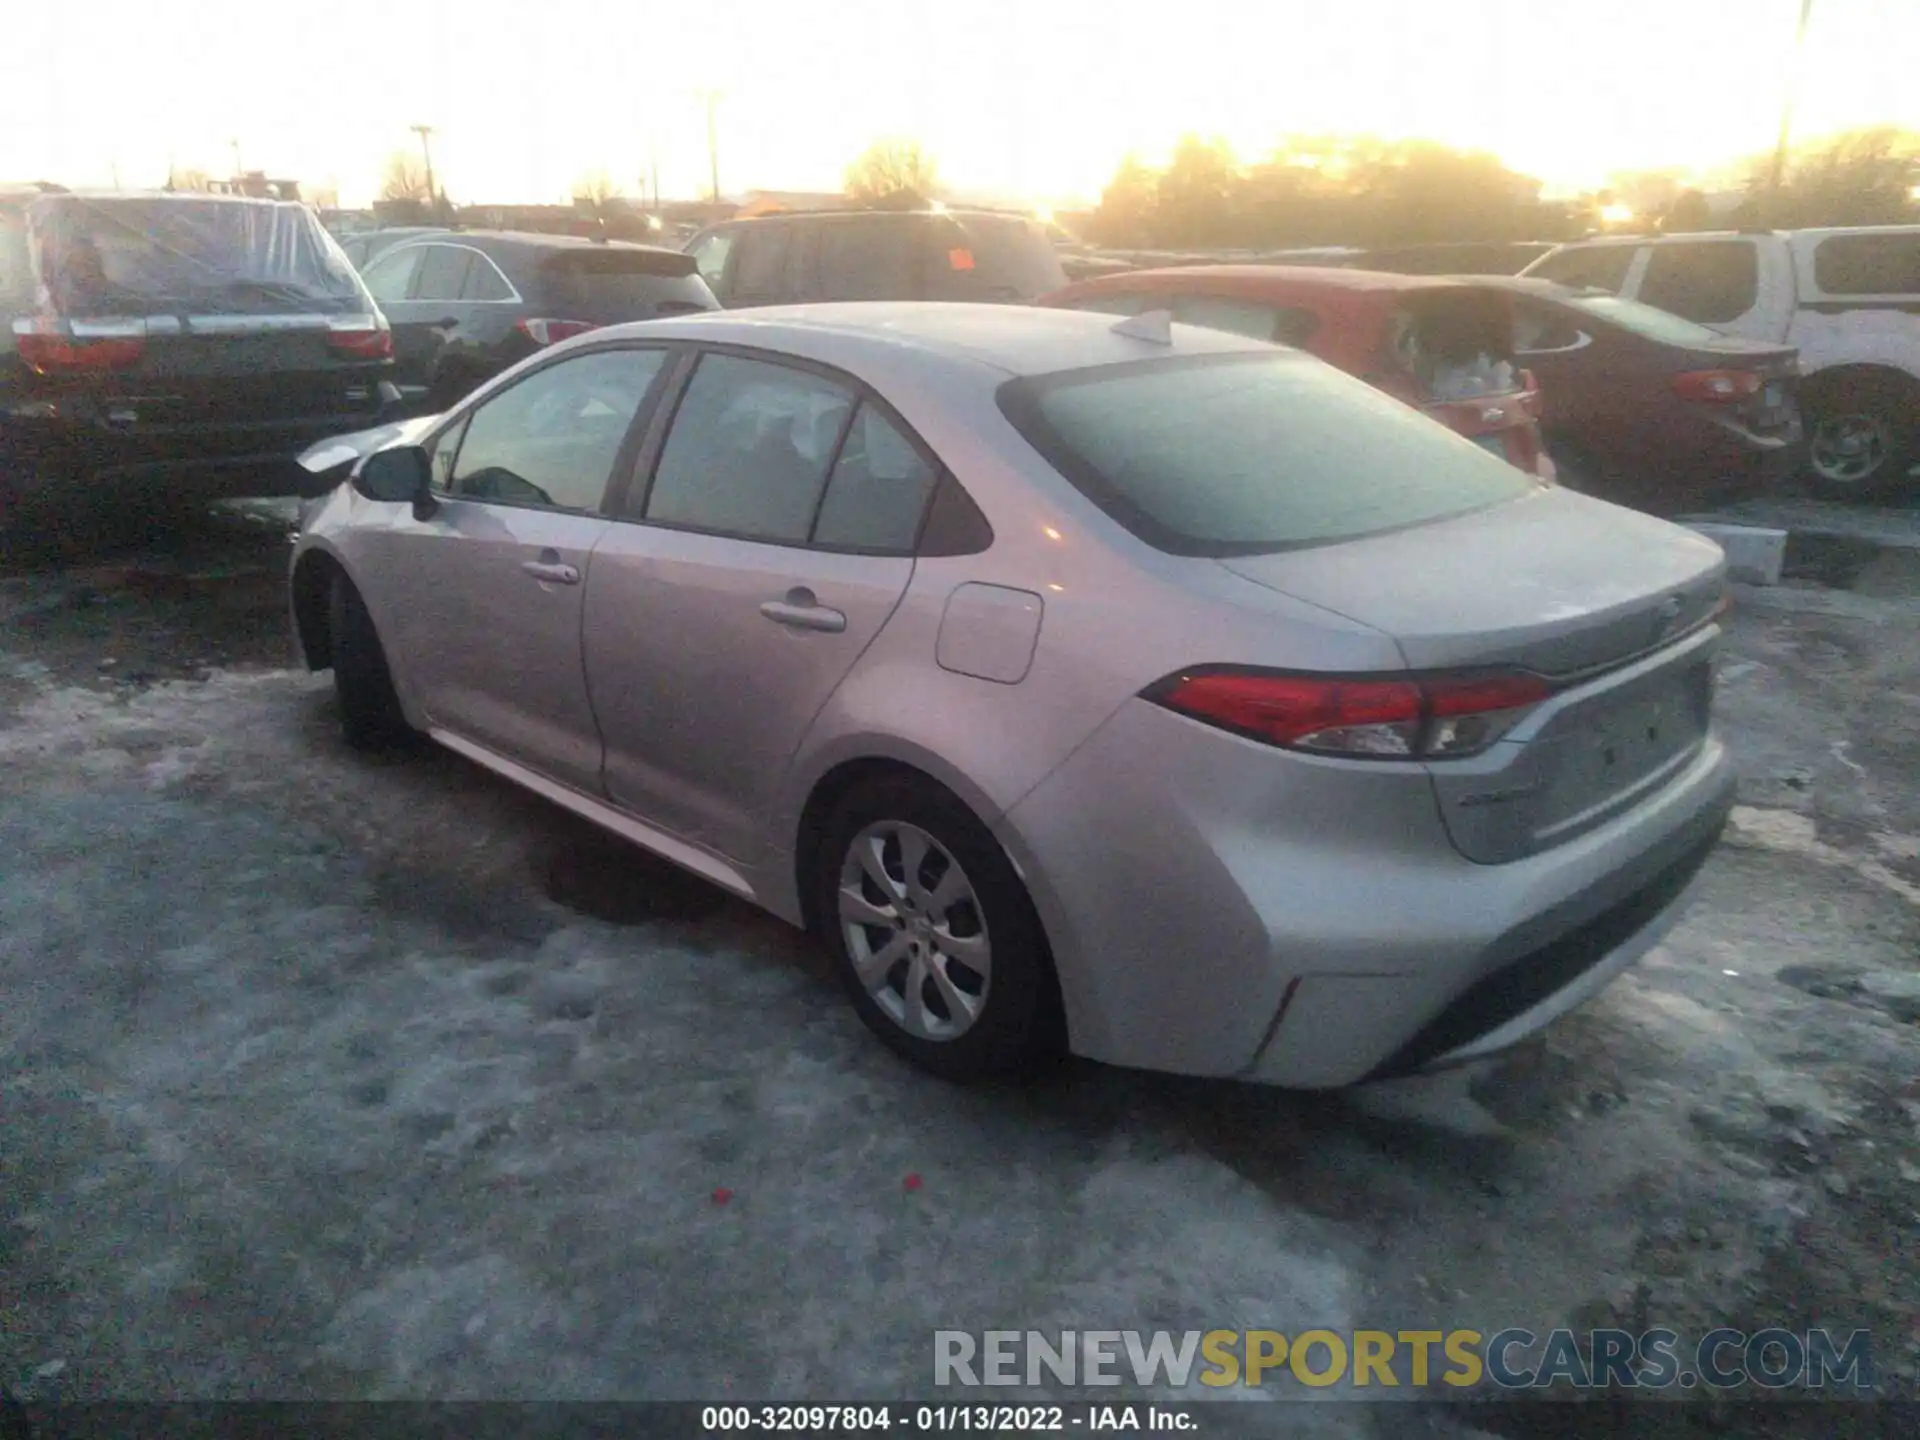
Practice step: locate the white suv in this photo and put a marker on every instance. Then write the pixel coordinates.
(1849, 299)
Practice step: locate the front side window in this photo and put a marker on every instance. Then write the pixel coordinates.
(551, 440)
(1711, 283)
(389, 277)
(445, 447)
(1251, 453)
(749, 449)
(878, 490)
(1587, 267)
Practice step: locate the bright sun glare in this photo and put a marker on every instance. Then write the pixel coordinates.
(1040, 99)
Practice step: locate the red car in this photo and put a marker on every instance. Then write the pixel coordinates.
(1442, 346)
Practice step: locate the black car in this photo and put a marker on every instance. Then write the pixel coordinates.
(801, 256)
(173, 347)
(369, 245)
(465, 305)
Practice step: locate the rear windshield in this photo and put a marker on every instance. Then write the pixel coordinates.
(1009, 253)
(614, 284)
(206, 255)
(1644, 320)
(1247, 454)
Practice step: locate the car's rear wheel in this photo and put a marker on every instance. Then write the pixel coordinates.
(1860, 435)
(938, 942)
(370, 714)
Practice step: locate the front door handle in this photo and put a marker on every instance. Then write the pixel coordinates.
(550, 570)
(802, 611)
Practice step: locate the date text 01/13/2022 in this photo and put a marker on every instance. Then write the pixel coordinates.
(943, 1419)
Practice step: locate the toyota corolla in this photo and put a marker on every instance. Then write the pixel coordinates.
(1141, 690)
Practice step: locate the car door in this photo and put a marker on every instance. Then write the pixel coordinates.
(765, 541)
(433, 321)
(485, 596)
(390, 280)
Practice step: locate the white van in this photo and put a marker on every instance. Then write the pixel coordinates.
(1848, 298)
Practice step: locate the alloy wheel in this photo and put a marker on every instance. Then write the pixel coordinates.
(1850, 449)
(915, 930)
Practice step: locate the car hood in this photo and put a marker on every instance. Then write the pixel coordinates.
(1553, 582)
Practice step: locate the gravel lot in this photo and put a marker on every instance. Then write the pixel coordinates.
(326, 1078)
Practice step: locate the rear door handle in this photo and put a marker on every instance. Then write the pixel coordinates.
(550, 570)
(801, 610)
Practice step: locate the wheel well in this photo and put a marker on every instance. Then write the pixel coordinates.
(312, 592)
(1839, 378)
(828, 792)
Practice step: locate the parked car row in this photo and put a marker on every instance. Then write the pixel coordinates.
(1848, 300)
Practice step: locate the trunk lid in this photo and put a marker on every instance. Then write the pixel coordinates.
(1612, 604)
(1554, 582)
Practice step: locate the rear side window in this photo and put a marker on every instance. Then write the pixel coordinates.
(1005, 257)
(870, 259)
(759, 275)
(1597, 267)
(1868, 264)
(1711, 283)
(1250, 454)
(878, 490)
(443, 273)
(624, 284)
(485, 282)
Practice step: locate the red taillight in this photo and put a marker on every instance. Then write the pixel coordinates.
(1717, 387)
(361, 337)
(1431, 716)
(49, 353)
(547, 332)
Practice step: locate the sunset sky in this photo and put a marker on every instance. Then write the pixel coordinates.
(1039, 99)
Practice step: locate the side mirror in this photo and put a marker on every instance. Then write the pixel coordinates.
(398, 476)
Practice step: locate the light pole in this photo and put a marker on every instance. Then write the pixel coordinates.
(1786, 107)
(426, 154)
(237, 171)
(712, 99)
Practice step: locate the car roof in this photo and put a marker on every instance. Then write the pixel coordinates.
(534, 240)
(1276, 278)
(869, 336)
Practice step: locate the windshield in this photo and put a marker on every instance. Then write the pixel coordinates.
(1643, 319)
(207, 254)
(1248, 454)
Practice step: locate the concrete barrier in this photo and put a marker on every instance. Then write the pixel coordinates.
(1754, 556)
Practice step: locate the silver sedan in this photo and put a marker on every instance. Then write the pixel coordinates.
(1141, 690)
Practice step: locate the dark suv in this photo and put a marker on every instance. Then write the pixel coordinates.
(188, 346)
(803, 256)
(466, 304)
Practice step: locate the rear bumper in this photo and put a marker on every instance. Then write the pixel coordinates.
(1727, 464)
(1217, 908)
(217, 457)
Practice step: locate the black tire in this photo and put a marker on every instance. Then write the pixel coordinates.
(1856, 407)
(1019, 1024)
(370, 715)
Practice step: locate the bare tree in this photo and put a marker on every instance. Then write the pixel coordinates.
(404, 178)
(325, 197)
(596, 187)
(890, 167)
